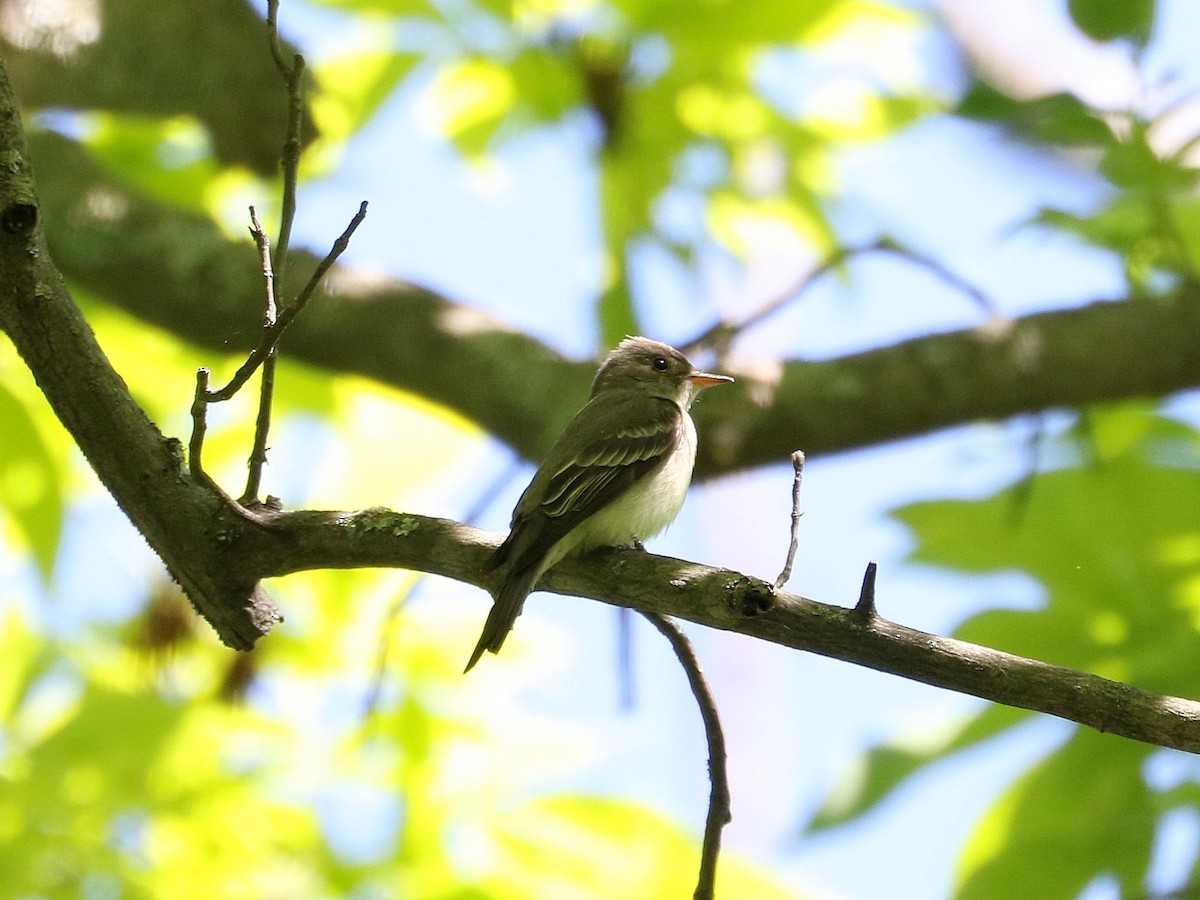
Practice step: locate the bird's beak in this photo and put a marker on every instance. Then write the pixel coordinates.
(703, 380)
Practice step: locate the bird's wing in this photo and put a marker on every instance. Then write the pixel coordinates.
(564, 494)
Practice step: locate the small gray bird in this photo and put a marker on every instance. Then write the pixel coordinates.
(618, 474)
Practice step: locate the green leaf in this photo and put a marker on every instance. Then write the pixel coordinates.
(20, 649)
(469, 100)
(723, 24)
(169, 159)
(208, 62)
(1107, 20)
(69, 791)
(354, 86)
(1082, 812)
(397, 8)
(548, 84)
(871, 779)
(1055, 119)
(31, 491)
(1133, 164)
(565, 846)
(1115, 547)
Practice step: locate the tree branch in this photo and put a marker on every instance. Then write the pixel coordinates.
(719, 814)
(288, 542)
(219, 552)
(185, 521)
(524, 392)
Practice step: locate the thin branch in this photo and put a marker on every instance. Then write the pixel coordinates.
(199, 429)
(720, 335)
(798, 466)
(262, 424)
(293, 76)
(288, 314)
(263, 355)
(719, 814)
(263, 243)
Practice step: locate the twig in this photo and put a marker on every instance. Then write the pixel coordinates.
(262, 424)
(293, 76)
(798, 465)
(199, 428)
(720, 335)
(865, 607)
(287, 314)
(718, 801)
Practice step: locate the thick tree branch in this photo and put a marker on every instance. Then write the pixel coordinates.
(732, 601)
(219, 552)
(178, 272)
(133, 64)
(185, 522)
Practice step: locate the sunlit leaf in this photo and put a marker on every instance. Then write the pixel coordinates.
(169, 159)
(1083, 812)
(580, 845)
(396, 8)
(467, 102)
(354, 86)
(1116, 605)
(1115, 545)
(742, 225)
(31, 493)
(20, 649)
(871, 779)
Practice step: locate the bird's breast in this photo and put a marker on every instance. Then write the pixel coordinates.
(648, 506)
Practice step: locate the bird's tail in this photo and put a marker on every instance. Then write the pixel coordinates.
(505, 609)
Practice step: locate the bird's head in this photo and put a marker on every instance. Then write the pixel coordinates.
(642, 364)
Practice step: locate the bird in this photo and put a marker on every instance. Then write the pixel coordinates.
(616, 476)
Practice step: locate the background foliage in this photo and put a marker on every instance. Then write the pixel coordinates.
(345, 757)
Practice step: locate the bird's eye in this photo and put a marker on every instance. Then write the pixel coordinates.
(660, 364)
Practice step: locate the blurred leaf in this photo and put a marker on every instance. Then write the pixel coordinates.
(548, 84)
(577, 844)
(1117, 549)
(1082, 812)
(396, 8)
(353, 87)
(468, 101)
(1106, 20)
(1055, 119)
(722, 25)
(20, 649)
(169, 159)
(208, 62)
(70, 791)
(1133, 164)
(742, 224)
(1150, 237)
(872, 779)
(31, 492)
